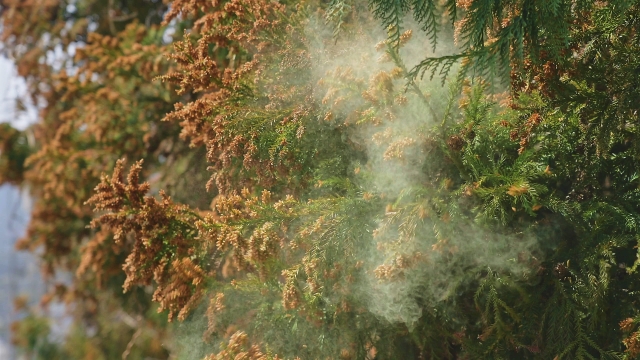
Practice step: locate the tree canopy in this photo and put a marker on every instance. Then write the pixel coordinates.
(391, 179)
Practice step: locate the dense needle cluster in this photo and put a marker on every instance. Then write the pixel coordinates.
(306, 190)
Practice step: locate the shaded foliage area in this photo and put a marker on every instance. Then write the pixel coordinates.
(301, 199)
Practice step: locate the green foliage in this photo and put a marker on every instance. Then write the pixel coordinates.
(14, 151)
(361, 211)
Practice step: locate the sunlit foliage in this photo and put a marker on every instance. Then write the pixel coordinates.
(307, 193)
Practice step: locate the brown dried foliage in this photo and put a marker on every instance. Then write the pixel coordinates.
(87, 124)
(161, 233)
(249, 30)
(632, 341)
(238, 348)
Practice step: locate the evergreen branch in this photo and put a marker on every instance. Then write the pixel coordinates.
(391, 12)
(424, 12)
